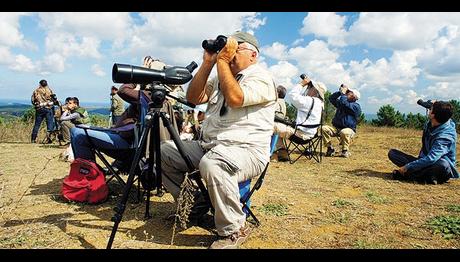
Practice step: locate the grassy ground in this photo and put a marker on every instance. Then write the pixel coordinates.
(340, 203)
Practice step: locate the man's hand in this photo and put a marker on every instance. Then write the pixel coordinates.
(210, 58)
(305, 81)
(148, 60)
(228, 52)
(402, 170)
(343, 89)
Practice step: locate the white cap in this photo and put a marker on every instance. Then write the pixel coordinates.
(355, 92)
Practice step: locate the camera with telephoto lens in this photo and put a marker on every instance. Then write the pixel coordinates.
(426, 104)
(216, 45)
(54, 99)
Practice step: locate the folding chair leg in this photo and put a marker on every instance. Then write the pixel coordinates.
(257, 222)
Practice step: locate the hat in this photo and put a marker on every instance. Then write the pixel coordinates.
(355, 92)
(246, 37)
(320, 87)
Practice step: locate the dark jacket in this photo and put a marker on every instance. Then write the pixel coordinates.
(131, 115)
(438, 143)
(347, 113)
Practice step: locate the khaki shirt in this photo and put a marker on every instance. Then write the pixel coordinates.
(250, 126)
(42, 95)
(117, 105)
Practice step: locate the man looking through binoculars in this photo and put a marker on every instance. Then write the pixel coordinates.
(235, 141)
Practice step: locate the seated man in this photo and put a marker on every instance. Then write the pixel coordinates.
(437, 158)
(345, 119)
(308, 98)
(117, 142)
(191, 129)
(73, 115)
(280, 103)
(235, 142)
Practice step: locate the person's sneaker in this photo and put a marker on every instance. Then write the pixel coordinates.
(345, 154)
(283, 155)
(330, 151)
(234, 240)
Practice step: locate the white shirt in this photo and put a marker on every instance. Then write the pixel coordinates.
(303, 104)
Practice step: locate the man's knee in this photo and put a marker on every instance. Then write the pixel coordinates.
(206, 167)
(346, 132)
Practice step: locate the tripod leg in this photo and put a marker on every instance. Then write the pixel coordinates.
(122, 204)
(176, 139)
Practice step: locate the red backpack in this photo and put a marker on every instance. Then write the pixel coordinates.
(85, 183)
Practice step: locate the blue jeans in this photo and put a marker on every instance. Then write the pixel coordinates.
(40, 115)
(440, 170)
(107, 141)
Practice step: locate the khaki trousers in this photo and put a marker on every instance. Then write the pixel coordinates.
(65, 130)
(285, 131)
(222, 168)
(345, 136)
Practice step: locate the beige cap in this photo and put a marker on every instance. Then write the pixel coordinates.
(320, 87)
(246, 37)
(355, 92)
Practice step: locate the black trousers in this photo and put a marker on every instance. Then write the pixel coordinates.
(439, 171)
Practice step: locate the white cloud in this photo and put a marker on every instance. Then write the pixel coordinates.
(275, 51)
(23, 64)
(328, 25)
(10, 34)
(441, 58)
(377, 101)
(103, 26)
(443, 91)
(176, 37)
(283, 73)
(97, 70)
(400, 71)
(399, 31)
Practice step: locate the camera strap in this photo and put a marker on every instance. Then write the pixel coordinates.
(223, 109)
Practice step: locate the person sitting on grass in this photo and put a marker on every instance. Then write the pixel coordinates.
(436, 161)
(72, 116)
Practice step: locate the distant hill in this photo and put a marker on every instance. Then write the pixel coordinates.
(12, 110)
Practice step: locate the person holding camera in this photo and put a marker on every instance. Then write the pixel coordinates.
(308, 98)
(43, 103)
(73, 115)
(436, 162)
(345, 120)
(235, 141)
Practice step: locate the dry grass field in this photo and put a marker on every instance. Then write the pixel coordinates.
(340, 203)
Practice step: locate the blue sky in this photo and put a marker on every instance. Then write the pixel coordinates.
(392, 58)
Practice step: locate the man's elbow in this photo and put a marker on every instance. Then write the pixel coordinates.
(235, 103)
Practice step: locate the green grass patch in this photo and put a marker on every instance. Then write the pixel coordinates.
(375, 198)
(453, 208)
(364, 244)
(341, 203)
(447, 226)
(274, 209)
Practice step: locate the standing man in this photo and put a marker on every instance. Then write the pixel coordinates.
(236, 134)
(345, 119)
(42, 101)
(117, 105)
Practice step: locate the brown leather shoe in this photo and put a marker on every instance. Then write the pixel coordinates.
(234, 240)
(283, 155)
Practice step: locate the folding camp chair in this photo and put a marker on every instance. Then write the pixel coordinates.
(110, 171)
(311, 148)
(247, 194)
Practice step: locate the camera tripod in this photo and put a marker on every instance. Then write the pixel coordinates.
(153, 178)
